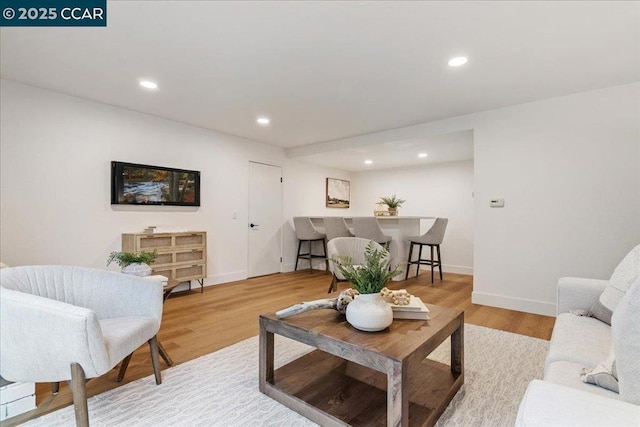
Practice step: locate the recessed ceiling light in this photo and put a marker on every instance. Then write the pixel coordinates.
(368, 162)
(263, 121)
(457, 61)
(422, 155)
(148, 84)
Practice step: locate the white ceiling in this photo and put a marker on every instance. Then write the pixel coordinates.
(329, 70)
(439, 149)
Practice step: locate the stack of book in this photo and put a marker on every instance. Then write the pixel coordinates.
(415, 310)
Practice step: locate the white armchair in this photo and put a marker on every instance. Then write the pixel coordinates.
(63, 323)
(354, 248)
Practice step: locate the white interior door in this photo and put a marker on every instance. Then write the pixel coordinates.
(265, 219)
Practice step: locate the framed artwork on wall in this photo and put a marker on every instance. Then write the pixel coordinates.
(338, 193)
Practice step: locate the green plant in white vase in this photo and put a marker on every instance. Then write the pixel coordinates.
(136, 264)
(368, 312)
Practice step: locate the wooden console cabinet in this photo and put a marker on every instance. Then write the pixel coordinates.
(181, 256)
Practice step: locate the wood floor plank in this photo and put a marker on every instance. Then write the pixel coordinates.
(196, 324)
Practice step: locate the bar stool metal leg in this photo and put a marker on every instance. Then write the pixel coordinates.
(298, 257)
(406, 276)
(439, 261)
(431, 262)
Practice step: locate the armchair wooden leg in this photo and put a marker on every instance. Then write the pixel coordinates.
(55, 388)
(334, 284)
(123, 367)
(153, 345)
(79, 390)
(164, 354)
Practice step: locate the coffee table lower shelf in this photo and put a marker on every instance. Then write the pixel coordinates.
(347, 393)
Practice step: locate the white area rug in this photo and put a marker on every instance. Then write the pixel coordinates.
(221, 388)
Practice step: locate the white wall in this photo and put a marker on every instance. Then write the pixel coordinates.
(305, 195)
(439, 190)
(569, 173)
(55, 155)
(567, 167)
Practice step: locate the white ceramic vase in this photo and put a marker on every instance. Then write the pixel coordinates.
(137, 269)
(369, 312)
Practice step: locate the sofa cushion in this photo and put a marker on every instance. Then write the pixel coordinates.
(568, 374)
(622, 277)
(549, 405)
(626, 342)
(582, 340)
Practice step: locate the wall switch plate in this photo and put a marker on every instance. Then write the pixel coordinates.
(496, 203)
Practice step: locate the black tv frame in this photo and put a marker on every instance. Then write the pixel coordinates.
(117, 185)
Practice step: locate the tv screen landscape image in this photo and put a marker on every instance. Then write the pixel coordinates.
(135, 184)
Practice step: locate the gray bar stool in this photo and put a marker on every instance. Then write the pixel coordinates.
(306, 232)
(367, 227)
(432, 238)
(334, 226)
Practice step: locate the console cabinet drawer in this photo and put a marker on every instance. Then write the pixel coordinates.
(181, 256)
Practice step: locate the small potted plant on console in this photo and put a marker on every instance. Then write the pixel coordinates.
(136, 264)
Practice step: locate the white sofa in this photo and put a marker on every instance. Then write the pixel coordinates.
(577, 342)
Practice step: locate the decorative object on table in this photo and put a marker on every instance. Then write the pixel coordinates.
(399, 297)
(338, 193)
(393, 203)
(368, 312)
(340, 304)
(135, 264)
(404, 305)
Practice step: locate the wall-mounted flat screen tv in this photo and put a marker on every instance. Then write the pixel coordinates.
(134, 184)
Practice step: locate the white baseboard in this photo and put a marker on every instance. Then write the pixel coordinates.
(511, 303)
(288, 267)
(446, 268)
(318, 265)
(458, 269)
(219, 279)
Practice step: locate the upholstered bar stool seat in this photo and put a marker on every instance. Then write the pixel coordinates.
(307, 232)
(432, 238)
(335, 226)
(369, 228)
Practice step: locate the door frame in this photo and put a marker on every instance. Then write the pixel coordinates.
(281, 217)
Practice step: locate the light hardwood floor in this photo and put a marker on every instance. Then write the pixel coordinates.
(195, 324)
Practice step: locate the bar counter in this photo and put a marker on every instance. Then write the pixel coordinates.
(400, 228)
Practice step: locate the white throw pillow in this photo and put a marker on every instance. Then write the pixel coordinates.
(604, 375)
(622, 277)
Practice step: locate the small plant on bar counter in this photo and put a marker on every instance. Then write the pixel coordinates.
(370, 277)
(392, 201)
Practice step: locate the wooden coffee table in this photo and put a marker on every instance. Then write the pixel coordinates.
(364, 378)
